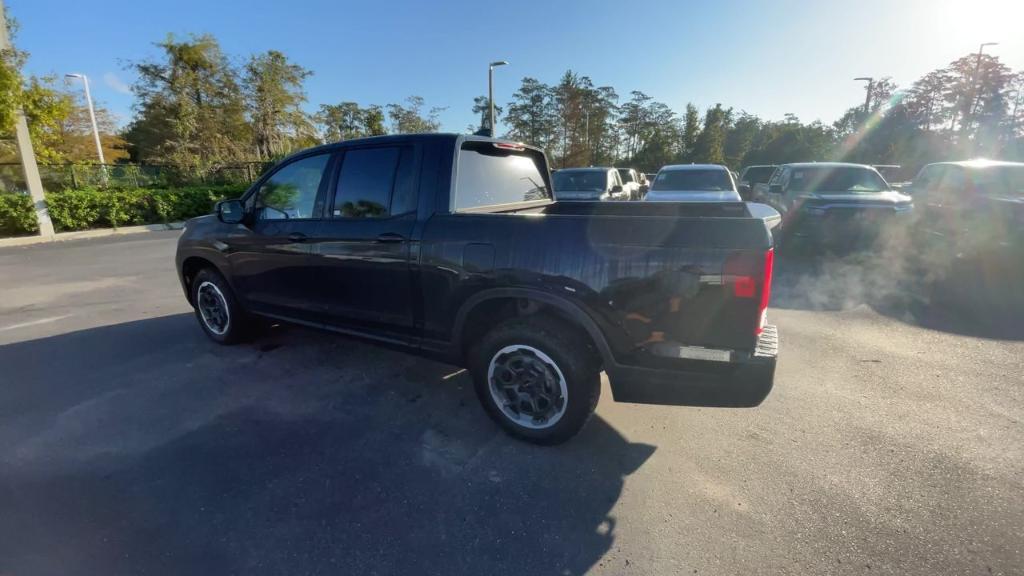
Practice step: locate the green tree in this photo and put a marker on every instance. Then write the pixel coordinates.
(46, 109)
(924, 100)
(661, 135)
(11, 62)
(710, 144)
(482, 106)
(274, 94)
(409, 119)
(601, 125)
(635, 120)
(77, 144)
(348, 120)
(691, 130)
(531, 115)
(190, 110)
(568, 105)
(742, 136)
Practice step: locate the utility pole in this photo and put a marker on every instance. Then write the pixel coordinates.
(490, 91)
(25, 151)
(867, 98)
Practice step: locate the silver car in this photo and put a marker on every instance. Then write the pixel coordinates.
(693, 183)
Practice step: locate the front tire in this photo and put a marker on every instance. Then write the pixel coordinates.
(536, 378)
(219, 314)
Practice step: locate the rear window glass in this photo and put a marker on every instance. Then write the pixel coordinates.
(838, 179)
(491, 176)
(693, 181)
(758, 174)
(627, 177)
(999, 180)
(580, 181)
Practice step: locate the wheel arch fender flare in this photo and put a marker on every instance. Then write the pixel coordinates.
(571, 309)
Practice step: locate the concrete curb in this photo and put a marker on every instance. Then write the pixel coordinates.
(83, 234)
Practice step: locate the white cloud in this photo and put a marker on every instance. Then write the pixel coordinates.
(116, 84)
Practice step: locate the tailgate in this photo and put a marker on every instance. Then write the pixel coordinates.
(711, 298)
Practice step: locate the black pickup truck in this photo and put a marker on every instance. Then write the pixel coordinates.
(451, 246)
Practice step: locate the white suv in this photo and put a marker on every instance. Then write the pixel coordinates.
(693, 183)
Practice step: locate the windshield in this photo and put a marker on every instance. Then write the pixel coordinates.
(1000, 179)
(758, 174)
(854, 179)
(625, 174)
(699, 180)
(580, 181)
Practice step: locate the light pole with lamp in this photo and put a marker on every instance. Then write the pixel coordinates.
(867, 99)
(490, 91)
(92, 118)
(974, 81)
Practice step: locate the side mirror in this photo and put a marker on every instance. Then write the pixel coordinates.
(775, 188)
(616, 189)
(745, 191)
(230, 211)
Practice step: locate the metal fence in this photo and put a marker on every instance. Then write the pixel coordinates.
(60, 177)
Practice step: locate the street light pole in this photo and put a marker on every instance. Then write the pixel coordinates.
(490, 90)
(92, 115)
(867, 99)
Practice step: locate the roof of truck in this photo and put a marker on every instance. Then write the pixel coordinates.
(386, 138)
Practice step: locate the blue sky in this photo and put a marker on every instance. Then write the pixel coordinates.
(767, 58)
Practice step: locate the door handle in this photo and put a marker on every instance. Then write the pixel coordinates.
(390, 237)
(297, 237)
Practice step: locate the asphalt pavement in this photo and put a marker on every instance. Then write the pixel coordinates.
(130, 444)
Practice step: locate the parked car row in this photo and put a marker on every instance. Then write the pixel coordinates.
(675, 183)
(949, 209)
(598, 183)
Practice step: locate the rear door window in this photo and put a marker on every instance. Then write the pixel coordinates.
(375, 183)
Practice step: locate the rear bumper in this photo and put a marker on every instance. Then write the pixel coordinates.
(743, 382)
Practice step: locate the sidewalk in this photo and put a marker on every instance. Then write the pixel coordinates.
(81, 234)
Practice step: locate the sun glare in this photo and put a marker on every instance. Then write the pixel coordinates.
(970, 22)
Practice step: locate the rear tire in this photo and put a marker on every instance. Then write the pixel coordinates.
(536, 378)
(219, 314)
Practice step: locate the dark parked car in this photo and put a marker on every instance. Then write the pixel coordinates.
(452, 247)
(751, 176)
(834, 204)
(590, 184)
(969, 224)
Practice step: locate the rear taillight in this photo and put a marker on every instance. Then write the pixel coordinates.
(766, 290)
(750, 276)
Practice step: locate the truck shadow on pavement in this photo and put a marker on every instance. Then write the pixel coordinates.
(144, 448)
(835, 283)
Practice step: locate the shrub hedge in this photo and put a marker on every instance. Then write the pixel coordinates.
(17, 217)
(85, 208)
